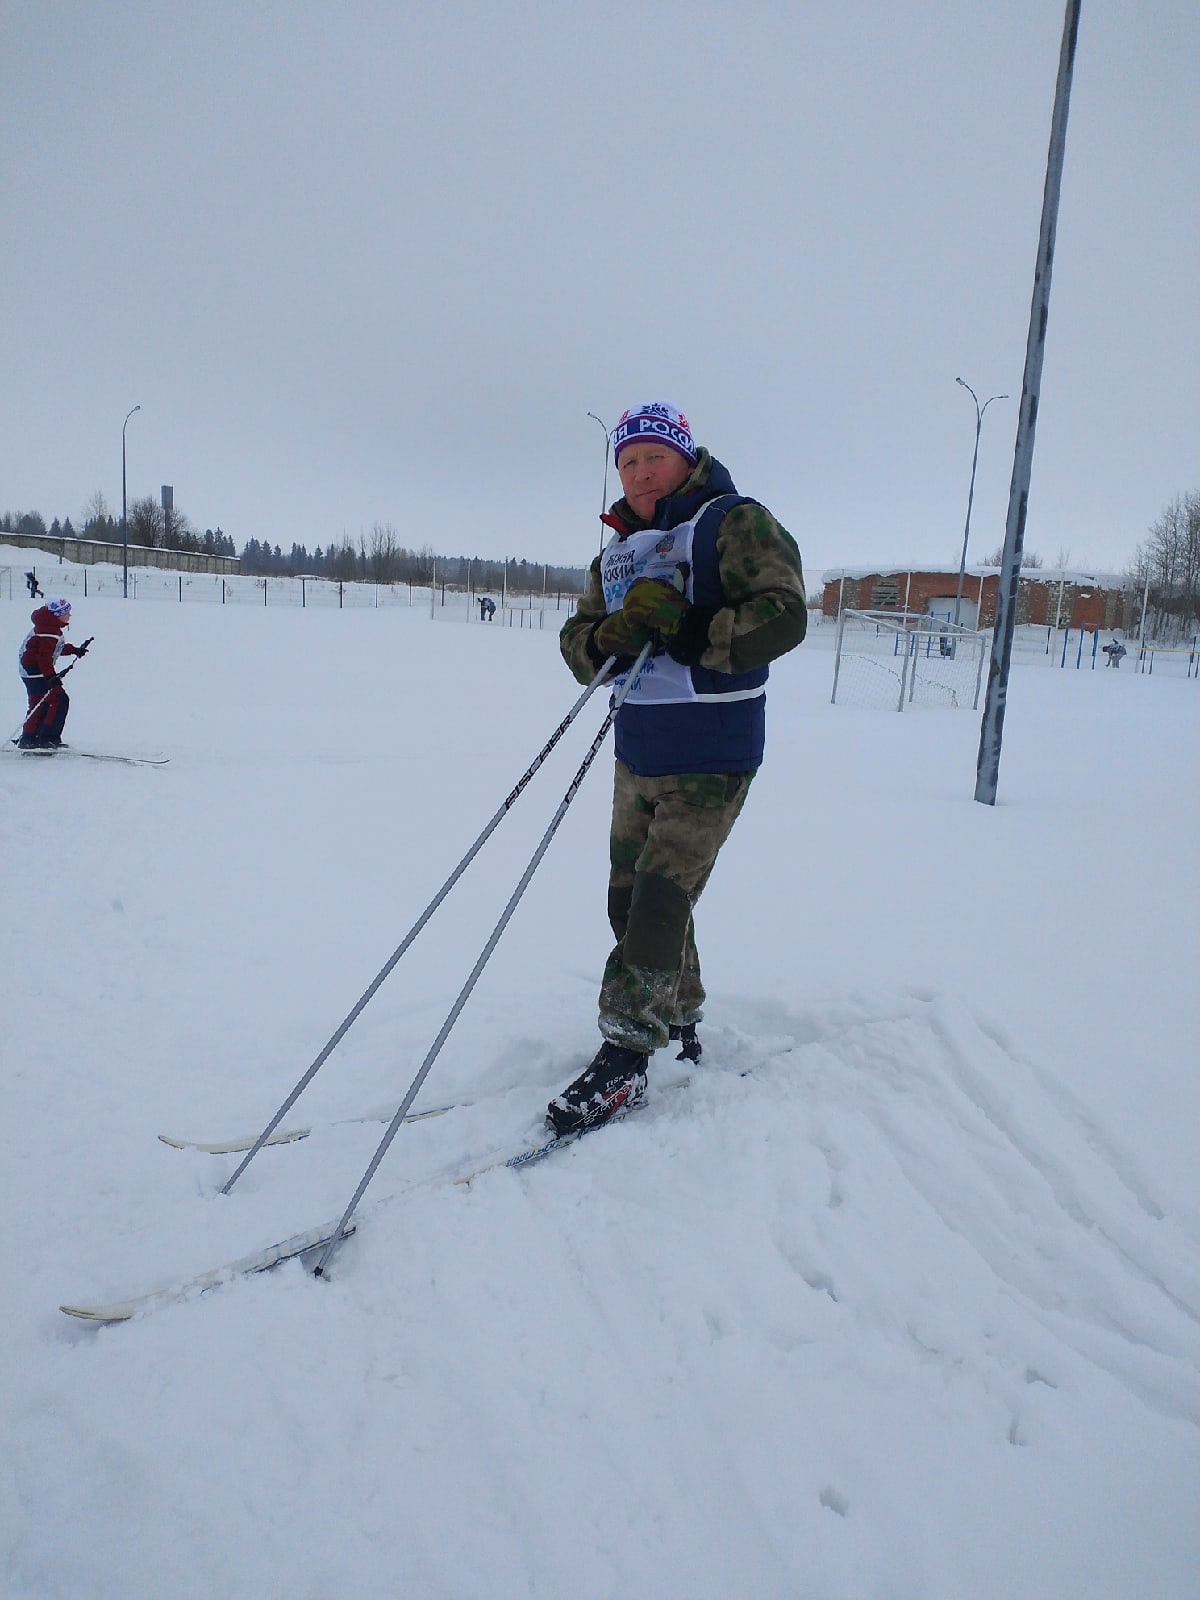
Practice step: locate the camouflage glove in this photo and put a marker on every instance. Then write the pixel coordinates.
(656, 606)
(617, 635)
(650, 607)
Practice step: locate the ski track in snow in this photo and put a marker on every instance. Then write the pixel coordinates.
(1085, 1260)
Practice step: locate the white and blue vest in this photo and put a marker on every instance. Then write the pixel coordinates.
(677, 718)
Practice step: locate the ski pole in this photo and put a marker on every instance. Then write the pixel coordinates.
(371, 989)
(70, 667)
(339, 1233)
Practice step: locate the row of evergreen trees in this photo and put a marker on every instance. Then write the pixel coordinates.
(377, 558)
(149, 524)
(383, 561)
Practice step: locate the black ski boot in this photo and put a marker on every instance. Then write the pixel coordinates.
(689, 1044)
(615, 1080)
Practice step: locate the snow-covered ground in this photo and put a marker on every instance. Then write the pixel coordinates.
(908, 1312)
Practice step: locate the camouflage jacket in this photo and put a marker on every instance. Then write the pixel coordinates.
(759, 615)
(765, 612)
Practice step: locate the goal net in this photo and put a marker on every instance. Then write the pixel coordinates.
(893, 659)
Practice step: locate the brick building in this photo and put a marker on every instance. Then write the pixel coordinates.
(1067, 599)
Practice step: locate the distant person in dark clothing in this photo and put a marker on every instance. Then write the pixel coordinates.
(40, 650)
(487, 610)
(31, 580)
(1115, 651)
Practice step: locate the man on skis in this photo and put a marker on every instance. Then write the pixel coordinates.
(714, 582)
(40, 650)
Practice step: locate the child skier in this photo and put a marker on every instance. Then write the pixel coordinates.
(40, 650)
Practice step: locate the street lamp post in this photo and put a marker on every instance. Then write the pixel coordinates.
(604, 494)
(124, 515)
(962, 566)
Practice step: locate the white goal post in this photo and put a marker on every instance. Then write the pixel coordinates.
(891, 659)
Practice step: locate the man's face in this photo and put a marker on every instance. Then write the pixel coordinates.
(649, 470)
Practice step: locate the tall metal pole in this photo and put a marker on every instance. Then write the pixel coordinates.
(962, 565)
(604, 493)
(124, 515)
(987, 772)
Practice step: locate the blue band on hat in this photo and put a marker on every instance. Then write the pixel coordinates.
(664, 429)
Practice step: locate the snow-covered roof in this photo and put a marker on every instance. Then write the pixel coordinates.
(1072, 575)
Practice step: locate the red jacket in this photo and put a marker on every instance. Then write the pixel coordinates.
(43, 644)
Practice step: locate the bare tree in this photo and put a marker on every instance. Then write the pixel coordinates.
(1030, 560)
(1168, 564)
(145, 522)
(384, 563)
(96, 517)
(425, 561)
(178, 530)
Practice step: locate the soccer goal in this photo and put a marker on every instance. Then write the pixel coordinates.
(891, 659)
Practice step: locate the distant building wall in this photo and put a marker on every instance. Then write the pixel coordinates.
(896, 591)
(1064, 600)
(91, 551)
(1063, 603)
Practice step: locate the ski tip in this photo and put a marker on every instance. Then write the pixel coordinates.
(128, 761)
(231, 1147)
(432, 1111)
(99, 1314)
(300, 1246)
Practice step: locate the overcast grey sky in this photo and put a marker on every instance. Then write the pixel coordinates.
(375, 262)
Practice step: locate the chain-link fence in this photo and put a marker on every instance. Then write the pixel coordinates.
(898, 659)
(440, 601)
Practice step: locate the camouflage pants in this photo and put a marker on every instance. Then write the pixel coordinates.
(664, 840)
